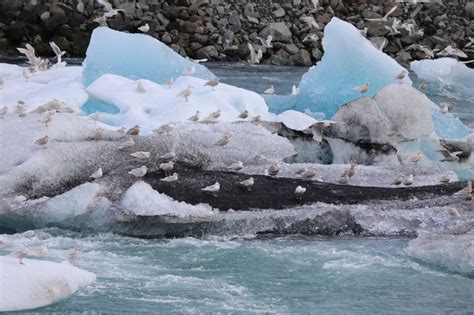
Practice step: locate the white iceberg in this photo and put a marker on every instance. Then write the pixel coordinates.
(349, 60)
(38, 283)
(135, 56)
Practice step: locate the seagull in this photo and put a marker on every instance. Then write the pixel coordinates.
(197, 61)
(237, 166)
(141, 87)
(267, 43)
(294, 90)
(59, 54)
(300, 191)
(244, 114)
(422, 86)
(101, 20)
(134, 131)
(2, 245)
(144, 28)
(317, 129)
(94, 117)
(468, 191)
(398, 181)
(195, 117)
(415, 158)
(142, 155)
(225, 138)
(471, 42)
(309, 172)
(228, 45)
(446, 178)
(270, 90)
(394, 28)
(257, 119)
(351, 172)
(274, 169)
(168, 156)
(212, 117)
(310, 21)
(26, 74)
(3, 111)
(401, 76)
(42, 250)
(212, 188)
(166, 128)
(311, 38)
(450, 156)
(167, 167)
(454, 213)
(364, 31)
(129, 144)
(450, 51)
(21, 253)
(42, 141)
(169, 83)
(97, 174)
(138, 172)
(186, 93)
(409, 180)
(212, 83)
(427, 51)
(248, 183)
(72, 257)
(2, 82)
(110, 11)
(446, 107)
(315, 4)
(344, 180)
(30, 54)
(362, 88)
(170, 179)
(385, 17)
(255, 57)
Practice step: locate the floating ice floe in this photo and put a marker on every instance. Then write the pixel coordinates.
(135, 56)
(38, 283)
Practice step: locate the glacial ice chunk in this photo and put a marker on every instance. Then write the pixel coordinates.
(349, 60)
(135, 56)
(38, 283)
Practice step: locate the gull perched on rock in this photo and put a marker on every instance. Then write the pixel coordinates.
(398, 181)
(244, 114)
(134, 131)
(21, 253)
(408, 180)
(167, 167)
(138, 172)
(168, 156)
(195, 117)
(212, 117)
(212, 188)
(144, 28)
(255, 57)
(109, 10)
(450, 51)
(450, 156)
(3, 111)
(310, 21)
(129, 144)
(446, 178)
(311, 38)
(267, 43)
(213, 83)
(416, 158)
(274, 169)
(42, 250)
(385, 17)
(186, 93)
(428, 52)
(142, 155)
(362, 88)
(270, 90)
(42, 141)
(394, 28)
(170, 179)
(237, 166)
(300, 191)
(309, 172)
(248, 183)
(225, 138)
(59, 54)
(166, 128)
(72, 257)
(97, 174)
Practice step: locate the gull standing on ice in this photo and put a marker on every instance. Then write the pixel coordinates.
(42, 141)
(59, 54)
(134, 131)
(362, 88)
(257, 119)
(42, 250)
(237, 166)
(212, 188)
(170, 179)
(344, 180)
(167, 167)
(168, 156)
(401, 76)
(21, 253)
(213, 83)
(248, 183)
(446, 178)
(270, 90)
(166, 128)
(352, 171)
(274, 169)
(454, 213)
(94, 117)
(129, 144)
(72, 257)
(446, 107)
(3, 111)
(244, 114)
(141, 87)
(141, 155)
(398, 181)
(186, 93)
(195, 117)
(309, 172)
(144, 28)
(409, 180)
(225, 138)
(415, 158)
(212, 117)
(138, 172)
(97, 174)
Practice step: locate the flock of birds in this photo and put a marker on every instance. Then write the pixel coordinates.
(24, 252)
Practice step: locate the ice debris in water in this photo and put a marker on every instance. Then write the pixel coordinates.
(349, 60)
(135, 56)
(448, 71)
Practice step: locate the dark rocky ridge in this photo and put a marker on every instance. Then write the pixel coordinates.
(201, 30)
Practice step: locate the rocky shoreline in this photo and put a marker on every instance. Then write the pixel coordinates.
(220, 30)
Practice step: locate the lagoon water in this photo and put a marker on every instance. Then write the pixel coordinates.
(255, 274)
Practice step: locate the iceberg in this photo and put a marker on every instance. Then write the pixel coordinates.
(38, 283)
(135, 56)
(349, 60)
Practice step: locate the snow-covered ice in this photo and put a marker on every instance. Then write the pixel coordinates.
(38, 283)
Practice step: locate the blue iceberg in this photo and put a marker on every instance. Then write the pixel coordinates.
(134, 56)
(349, 60)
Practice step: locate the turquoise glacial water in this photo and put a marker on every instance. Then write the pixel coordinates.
(281, 275)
